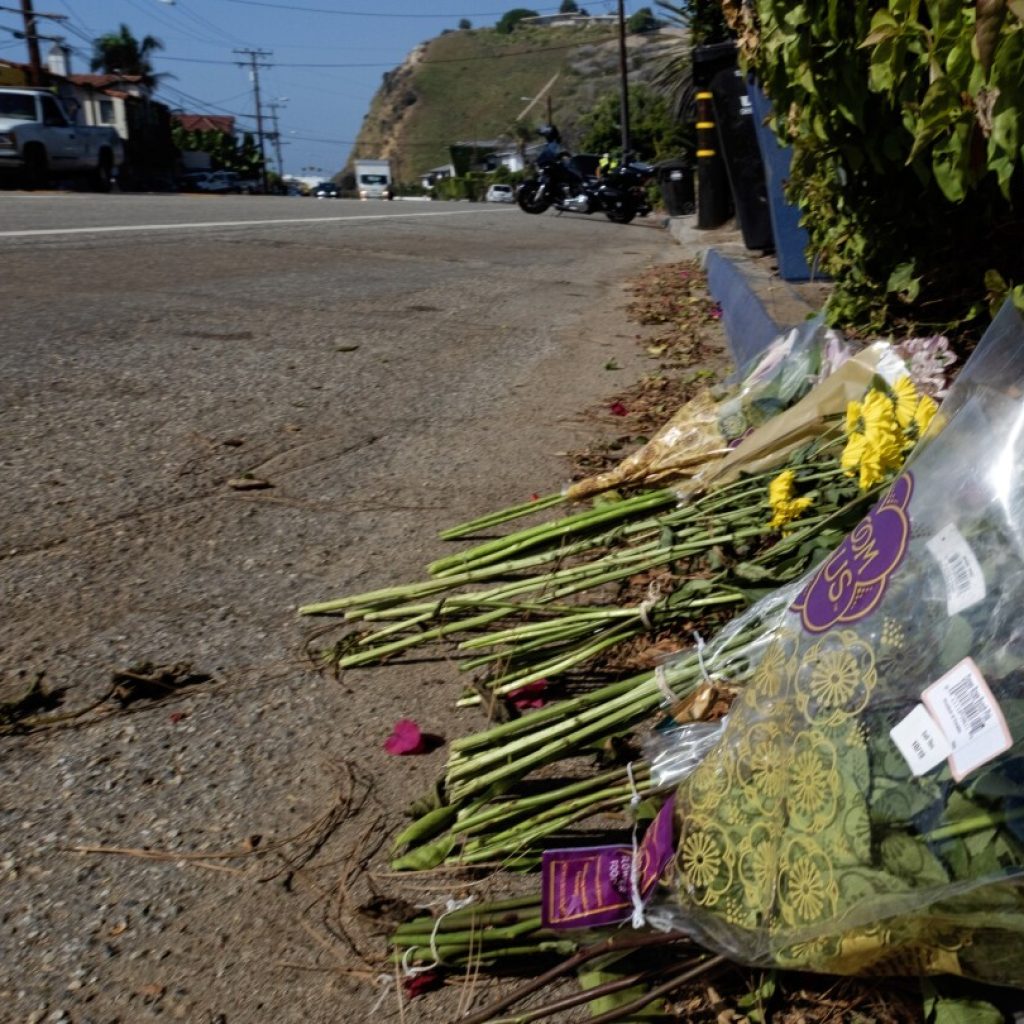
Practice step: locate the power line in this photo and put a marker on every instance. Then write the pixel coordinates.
(371, 14)
(391, 64)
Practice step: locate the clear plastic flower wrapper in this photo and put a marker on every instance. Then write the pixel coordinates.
(711, 424)
(863, 808)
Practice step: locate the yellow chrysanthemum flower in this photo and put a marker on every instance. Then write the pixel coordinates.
(780, 490)
(852, 416)
(785, 507)
(905, 399)
(850, 459)
(790, 510)
(925, 413)
(884, 443)
(877, 408)
(871, 471)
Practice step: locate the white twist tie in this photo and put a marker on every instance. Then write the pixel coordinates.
(634, 865)
(408, 969)
(648, 604)
(661, 678)
(386, 981)
(700, 657)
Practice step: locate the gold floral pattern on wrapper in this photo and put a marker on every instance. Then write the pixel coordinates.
(774, 827)
(835, 679)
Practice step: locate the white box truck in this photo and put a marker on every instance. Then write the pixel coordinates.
(373, 179)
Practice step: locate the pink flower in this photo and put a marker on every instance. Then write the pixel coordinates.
(530, 696)
(406, 738)
(618, 409)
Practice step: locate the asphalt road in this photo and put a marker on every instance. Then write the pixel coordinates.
(385, 370)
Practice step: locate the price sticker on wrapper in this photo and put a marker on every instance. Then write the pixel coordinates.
(920, 740)
(965, 582)
(968, 713)
(959, 720)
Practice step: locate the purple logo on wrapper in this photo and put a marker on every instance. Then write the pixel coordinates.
(589, 887)
(850, 584)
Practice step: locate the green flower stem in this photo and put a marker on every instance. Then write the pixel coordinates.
(496, 550)
(564, 727)
(473, 935)
(501, 516)
(391, 596)
(570, 735)
(396, 627)
(463, 748)
(530, 630)
(564, 660)
(497, 845)
(512, 681)
(978, 823)
(375, 654)
(521, 653)
(490, 812)
(520, 586)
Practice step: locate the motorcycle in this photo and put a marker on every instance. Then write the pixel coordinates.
(571, 184)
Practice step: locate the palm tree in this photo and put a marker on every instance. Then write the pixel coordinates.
(120, 53)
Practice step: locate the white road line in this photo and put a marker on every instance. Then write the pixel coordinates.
(38, 232)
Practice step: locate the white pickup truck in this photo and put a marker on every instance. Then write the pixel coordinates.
(38, 140)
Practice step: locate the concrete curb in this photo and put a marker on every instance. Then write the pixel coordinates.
(757, 304)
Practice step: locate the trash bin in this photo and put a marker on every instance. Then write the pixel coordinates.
(734, 117)
(675, 179)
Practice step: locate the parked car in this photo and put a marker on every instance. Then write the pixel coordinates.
(40, 139)
(500, 194)
(327, 190)
(220, 182)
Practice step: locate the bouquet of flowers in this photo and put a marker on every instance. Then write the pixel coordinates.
(863, 808)
(714, 421)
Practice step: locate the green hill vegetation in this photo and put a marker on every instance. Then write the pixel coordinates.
(469, 85)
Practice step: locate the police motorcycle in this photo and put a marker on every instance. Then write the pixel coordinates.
(573, 184)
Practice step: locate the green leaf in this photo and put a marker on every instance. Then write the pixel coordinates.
(611, 968)
(958, 641)
(883, 26)
(753, 1003)
(903, 282)
(946, 1009)
(989, 18)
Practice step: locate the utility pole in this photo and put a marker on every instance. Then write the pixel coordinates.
(35, 64)
(274, 106)
(254, 71)
(623, 82)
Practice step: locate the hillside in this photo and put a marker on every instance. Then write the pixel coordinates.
(469, 85)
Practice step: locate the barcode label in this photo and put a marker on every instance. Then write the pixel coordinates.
(920, 740)
(965, 582)
(966, 711)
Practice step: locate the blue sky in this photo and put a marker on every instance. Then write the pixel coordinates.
(320, 108)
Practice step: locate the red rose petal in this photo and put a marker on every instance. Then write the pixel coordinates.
(618, 409)
(405, 738)
(417, 984)
(532, 695)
